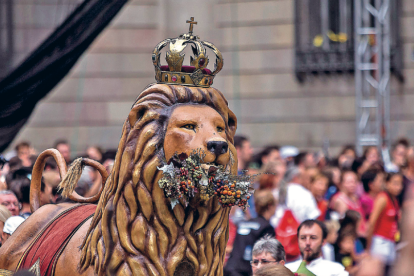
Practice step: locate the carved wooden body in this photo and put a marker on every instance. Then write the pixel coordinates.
(134, 230)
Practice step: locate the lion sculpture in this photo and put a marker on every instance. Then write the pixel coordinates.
(134, 230)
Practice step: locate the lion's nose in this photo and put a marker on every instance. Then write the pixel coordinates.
(217, 147)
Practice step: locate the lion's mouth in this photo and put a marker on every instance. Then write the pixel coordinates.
(209, 167)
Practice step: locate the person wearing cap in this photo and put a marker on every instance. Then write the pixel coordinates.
(288, 153)
(10, 226)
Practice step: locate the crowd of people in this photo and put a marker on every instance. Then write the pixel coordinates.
(327, 215)
(310, 214)
(15, 177)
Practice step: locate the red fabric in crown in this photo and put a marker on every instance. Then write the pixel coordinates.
(185, 69)
(49, 243)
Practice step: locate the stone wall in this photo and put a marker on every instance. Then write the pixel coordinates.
(257, 40)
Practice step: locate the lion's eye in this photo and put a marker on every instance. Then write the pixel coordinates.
(189, 126)
(220, 129)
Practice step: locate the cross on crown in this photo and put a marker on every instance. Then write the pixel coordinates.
(192, 22)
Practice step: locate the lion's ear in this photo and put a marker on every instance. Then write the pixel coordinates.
(136, 114)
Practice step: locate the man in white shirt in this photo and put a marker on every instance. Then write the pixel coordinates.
(311, 236)
(296, 198)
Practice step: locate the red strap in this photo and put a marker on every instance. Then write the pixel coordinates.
(49, 243)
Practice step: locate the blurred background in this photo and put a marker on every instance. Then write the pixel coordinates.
(289, 68)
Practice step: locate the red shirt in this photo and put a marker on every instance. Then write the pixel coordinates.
(387, 224)
(232, 237)
(352, 205)
(323, 207)
(367, 203)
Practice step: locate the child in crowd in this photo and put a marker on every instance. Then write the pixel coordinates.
(351, 223)
(383, 230)
(345, 253)
(328, 250)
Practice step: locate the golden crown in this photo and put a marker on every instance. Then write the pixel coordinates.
(197, 74)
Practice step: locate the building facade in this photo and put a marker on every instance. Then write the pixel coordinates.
(257, 39)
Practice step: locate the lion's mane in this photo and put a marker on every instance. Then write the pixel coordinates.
(134, 230)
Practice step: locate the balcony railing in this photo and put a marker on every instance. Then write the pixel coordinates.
(324, 37)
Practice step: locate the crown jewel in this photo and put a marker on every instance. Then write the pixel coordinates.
(197, 74)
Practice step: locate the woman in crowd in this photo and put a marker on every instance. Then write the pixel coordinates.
(272, 173)
(347, 199)
(318, 186)
(383, 230)
(373, 183)
(371, 155)
(408, 176)
(334, 175)
(346, 157)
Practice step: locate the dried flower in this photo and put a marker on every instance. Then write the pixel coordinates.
(185, 176)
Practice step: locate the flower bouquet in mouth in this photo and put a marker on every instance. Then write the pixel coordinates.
(187, 177)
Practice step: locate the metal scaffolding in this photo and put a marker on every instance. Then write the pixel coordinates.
(372, 73)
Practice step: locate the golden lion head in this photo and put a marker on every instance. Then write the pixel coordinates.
(134, 229)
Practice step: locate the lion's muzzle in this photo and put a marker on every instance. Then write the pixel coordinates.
(217, 147)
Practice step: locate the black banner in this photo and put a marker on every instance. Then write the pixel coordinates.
(49, 63)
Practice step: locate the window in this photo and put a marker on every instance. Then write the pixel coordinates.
(324, 37)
